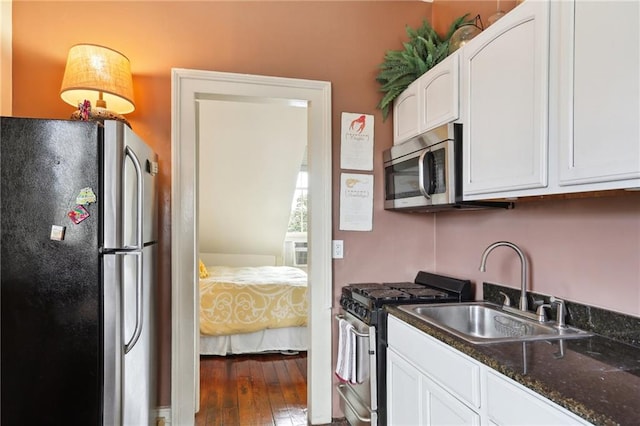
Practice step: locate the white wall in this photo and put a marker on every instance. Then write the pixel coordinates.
(250, 152)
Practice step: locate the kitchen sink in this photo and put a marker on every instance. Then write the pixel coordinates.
(484, 322)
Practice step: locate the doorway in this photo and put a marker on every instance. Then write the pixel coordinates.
(188, 86)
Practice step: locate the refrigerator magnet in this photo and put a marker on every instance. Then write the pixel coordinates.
(78, 214)
(57, 232)
(86, 196)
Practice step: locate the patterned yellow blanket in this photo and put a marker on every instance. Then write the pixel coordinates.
(248, 299)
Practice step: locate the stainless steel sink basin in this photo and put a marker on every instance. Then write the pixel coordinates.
(484, 322)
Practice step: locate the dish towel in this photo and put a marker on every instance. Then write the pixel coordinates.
(346, 362)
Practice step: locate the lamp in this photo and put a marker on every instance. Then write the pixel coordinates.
(99, 75)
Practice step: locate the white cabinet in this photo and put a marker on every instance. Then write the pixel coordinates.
(509, 403)
(504, 97)
(439, 94)
(430, 101)
(439, 407)
(405, 114)
(599, 94)
(415, 399)
(404, 383)
(430, 383)
(549, 104)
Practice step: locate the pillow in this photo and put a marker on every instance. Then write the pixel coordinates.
(203, 270)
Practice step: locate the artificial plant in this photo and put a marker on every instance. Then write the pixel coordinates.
(402, 67)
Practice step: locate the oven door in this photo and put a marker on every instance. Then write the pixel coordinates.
(359, 400)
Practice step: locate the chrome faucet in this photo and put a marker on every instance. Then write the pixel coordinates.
(523, 267)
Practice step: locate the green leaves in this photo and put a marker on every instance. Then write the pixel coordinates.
(421, 53)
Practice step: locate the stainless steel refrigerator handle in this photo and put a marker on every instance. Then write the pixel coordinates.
(138, 244)
(136, 164)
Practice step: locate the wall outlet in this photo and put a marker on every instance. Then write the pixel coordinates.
(337, 249)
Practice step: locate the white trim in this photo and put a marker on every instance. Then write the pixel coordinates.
(163, 414)
(187, 86)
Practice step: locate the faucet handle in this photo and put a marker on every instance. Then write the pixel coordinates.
(536, 302)
(561, 310)
(541, 313)
(507, 300)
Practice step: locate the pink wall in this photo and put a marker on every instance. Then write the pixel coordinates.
(584, 250)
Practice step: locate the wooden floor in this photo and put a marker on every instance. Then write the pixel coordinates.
(266, 389)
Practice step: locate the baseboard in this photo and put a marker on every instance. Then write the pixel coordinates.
(163, 416)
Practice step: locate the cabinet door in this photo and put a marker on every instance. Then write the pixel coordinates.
(439, 94)
(403, 391)
(504, 79)
(599, 93)
(509, 403)
(451, 369)
(405, 114)
(441, 408)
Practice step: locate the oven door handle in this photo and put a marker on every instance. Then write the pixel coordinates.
(350, 405)
(354, 331)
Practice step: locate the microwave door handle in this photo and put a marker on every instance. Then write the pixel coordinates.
(426, 179)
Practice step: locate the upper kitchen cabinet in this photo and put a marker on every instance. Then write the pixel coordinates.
(505, 104)
(598, 95)
(430, 101)
(406, 122)
(438, 94)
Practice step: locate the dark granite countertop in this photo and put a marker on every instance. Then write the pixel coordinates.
(595, 377)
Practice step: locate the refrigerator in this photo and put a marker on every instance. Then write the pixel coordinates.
(78, 274)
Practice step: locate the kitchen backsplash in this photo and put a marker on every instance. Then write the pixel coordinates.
(616, 326)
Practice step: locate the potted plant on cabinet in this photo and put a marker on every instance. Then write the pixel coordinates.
(421, 53)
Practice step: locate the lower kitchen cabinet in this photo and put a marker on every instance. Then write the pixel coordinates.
(426, 389)
(510, 403)
(415, 399)
(403, 391)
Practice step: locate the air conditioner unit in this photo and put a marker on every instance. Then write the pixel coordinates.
(300, 254)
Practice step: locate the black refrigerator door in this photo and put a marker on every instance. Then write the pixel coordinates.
(51, 343)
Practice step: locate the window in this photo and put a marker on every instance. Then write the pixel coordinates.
(298, 218)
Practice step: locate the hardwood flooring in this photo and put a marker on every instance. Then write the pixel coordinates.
(265, 389)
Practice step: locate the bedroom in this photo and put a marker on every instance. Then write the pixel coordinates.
(252, 165)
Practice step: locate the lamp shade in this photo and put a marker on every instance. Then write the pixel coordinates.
(96, 72)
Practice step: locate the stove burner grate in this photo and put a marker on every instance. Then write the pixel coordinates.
(427, 293)
(403, 285)
(385, 294)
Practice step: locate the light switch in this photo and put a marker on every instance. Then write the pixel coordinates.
(338, 249)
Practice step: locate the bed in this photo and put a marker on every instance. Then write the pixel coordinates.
(251, 309)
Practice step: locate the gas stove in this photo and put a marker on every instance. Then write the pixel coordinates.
(364, 304)
(366, 300)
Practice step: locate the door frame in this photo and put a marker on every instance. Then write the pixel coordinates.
(187, 87)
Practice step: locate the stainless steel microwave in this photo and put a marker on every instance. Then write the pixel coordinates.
(425, 173)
